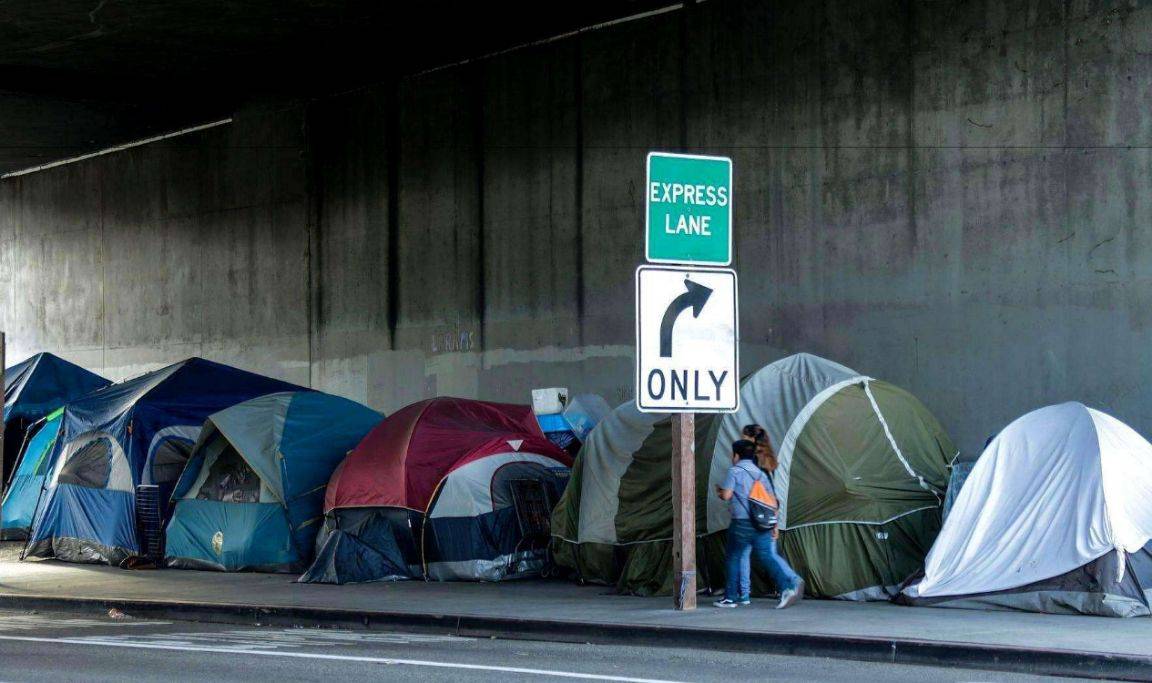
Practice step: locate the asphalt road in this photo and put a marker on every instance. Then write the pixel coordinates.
(59, 647)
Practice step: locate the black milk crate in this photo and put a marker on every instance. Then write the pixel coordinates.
(150, 522)
(533, 507)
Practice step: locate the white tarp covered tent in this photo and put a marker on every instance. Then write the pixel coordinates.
(1054, 517)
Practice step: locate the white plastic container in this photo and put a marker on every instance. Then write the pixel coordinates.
(549, 401)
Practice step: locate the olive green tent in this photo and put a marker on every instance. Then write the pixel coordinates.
(863, 469)
(861, 478)
(613, 525)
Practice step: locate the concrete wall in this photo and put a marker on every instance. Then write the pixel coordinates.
(194, 246)
(952, 196)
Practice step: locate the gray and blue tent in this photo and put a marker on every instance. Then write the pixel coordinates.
(138, 432)
(32, 390)
(252, 494)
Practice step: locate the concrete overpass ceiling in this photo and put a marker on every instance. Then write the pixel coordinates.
(78, 75)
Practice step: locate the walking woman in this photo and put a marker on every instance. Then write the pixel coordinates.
(746, 539)
(765, 454)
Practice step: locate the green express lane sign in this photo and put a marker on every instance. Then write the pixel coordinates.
(689, 218)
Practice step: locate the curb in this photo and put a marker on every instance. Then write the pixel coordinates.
(897, 651)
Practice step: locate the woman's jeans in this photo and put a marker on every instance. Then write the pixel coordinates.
(743, 539)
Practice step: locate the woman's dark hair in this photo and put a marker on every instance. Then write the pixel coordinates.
(759, 436)
(754, 432)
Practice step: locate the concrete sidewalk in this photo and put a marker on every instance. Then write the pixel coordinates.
(553, 610)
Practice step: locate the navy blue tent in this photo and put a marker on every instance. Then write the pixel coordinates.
(43, 383)
(33, 389)
(137, 432)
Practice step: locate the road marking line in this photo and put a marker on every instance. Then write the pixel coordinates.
(256, 639)
(341, 658)
(31, 622)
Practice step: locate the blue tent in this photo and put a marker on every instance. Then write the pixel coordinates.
(251, 497)
(27, 481)
(33, 389)
(137, 432)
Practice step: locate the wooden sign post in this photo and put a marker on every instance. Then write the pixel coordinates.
(684, 510)
(687, 318)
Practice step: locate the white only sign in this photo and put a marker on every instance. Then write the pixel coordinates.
(687, 341)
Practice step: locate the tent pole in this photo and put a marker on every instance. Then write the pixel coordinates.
(684, 510)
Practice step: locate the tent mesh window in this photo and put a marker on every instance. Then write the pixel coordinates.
(89, 466)
(533, 508)
(169, 460)
(230, 480)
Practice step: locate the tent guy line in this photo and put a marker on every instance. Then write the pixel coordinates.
(339, 658)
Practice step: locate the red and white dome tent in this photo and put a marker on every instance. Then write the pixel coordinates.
(444, 489)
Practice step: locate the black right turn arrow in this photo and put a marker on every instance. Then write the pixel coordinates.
(695, 298)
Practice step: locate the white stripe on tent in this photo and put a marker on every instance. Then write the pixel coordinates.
(788, 446)
(702, 534)
(892, 440)
(863, 522)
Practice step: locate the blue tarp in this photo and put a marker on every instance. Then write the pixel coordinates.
(253, 492)
(132, 433)
(959, 475)
(43, 383)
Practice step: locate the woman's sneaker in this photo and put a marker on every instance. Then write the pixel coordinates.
(792, 595)
(726, 604)
(744, 601)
